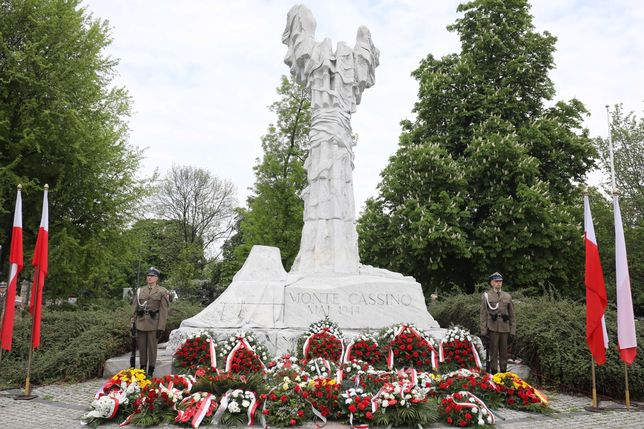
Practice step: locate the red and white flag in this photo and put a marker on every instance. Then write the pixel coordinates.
(626, 338)
(40, 263)
(596, 300)
(15, 266)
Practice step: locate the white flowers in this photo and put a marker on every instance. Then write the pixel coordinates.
(233, 407)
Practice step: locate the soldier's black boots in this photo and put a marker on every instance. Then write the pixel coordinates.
(151, 372)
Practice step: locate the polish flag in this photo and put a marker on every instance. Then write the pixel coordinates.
(626, 338)
(16, 264)
(40, 263)
(596, 301)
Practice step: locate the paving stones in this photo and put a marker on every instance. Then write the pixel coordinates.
(59, 406)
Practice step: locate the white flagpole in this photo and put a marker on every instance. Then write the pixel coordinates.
(610, 149)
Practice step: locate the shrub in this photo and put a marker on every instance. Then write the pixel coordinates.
(75, 341)
(551, 339)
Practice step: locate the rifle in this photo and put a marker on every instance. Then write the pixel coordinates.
(133, 335)
(486, 344)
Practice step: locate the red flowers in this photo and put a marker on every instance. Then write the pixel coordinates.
(193, 353)
(245, 362)
(324, 345)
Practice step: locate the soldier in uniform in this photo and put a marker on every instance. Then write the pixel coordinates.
(149, 316)
(3, 298)
(498, 323)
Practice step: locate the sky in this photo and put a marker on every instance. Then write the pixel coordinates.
(202, 74)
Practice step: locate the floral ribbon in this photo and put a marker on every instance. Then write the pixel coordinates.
(241, 343)
(201, 412)
(475, 353)
(223, 405)
(213, 355)
(473, 402)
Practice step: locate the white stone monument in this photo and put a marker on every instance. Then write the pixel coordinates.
(327, 278)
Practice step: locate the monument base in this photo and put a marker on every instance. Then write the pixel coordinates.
(278, 306)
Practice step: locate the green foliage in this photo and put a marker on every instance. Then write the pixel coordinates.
(484, 178)
(423, 414)
(62, 122)
(551, 339)
(274, 214)
(76, 341)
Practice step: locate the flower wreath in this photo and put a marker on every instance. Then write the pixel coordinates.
(520, 394)
(459, 349)
(465, 409)
(474, 382)
(116, 396)
(364, 347)
(323, 339)
(353, 371)
(195, 351)
(285, 404)
(357, 406)
(411, 347)
(234, 405)
(242, 353)
(320, 368)
(196, 408)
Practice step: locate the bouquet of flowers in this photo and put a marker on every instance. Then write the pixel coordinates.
(115, 397)
(194, 352)
(237, 407)
(357, 406)
(519, 394)
(284, 366)
(474, 382)
(322, 394)
(323, 339)
(158, 400)
(364, 347)
(408, 346)
(320, 368)
(285, 405)
(242, 353)
(196, 409)
(104, 408)
(403, 403)
(352, 371)
(459, 350)
(465, 409)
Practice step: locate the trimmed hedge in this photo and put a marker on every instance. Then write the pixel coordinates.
(551, 339)
(76, 341)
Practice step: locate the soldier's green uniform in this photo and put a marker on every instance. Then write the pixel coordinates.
(497, 323)
(150, 313)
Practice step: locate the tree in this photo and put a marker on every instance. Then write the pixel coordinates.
(63, 123)
(628, 142)
(628, 147)
(202, 205)
(484, 178)
(275, 210)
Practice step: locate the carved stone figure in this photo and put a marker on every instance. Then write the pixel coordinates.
(336, 81)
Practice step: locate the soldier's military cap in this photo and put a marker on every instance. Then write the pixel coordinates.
(153, 272)
(496, 276)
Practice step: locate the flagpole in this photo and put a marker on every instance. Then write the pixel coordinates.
(594, 385)
(27, 393)
(610, 151)
(616, 195)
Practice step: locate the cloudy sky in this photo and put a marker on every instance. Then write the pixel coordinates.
(202, 73)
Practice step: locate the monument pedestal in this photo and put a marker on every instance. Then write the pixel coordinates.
(278, 306)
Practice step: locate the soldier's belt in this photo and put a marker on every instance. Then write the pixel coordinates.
(151, 313)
